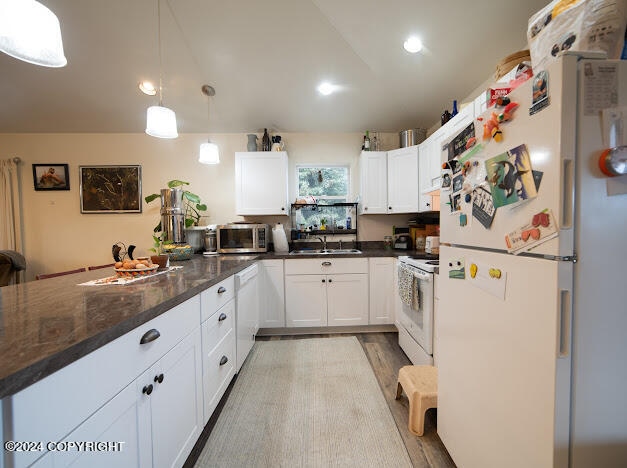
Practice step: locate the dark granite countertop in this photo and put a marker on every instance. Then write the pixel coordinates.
(48, 324)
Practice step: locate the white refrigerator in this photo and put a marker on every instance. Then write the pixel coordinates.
(533, 346)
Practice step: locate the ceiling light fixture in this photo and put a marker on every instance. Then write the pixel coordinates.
(209, 152)
(30, 32)
(326, 88)
(413, 45)
(160, 121)
(148, 88)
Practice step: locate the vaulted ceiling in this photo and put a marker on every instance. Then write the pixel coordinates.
(265, 60)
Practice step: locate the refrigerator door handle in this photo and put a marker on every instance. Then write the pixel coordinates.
(564, 324)
(568, 190)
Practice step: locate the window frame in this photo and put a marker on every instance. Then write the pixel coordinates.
(329, 199)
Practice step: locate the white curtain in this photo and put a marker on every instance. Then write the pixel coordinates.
(10, 218)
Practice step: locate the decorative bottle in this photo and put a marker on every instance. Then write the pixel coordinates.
(265, 141)
(367, 141)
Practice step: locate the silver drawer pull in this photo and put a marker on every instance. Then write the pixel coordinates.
(150, 335)
(222, 317)
(326, 263)
(223, 360)
(221, 290)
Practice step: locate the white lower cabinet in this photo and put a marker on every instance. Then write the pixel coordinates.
(316, 299)
(219, 357)
(271, 294)
(381, 278)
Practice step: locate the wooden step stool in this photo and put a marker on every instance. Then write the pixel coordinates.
(421, 387)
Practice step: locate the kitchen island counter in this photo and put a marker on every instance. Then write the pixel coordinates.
(46, 325)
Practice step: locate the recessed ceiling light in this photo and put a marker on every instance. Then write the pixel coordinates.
(413, 45)
(326, 88)
(148, 88)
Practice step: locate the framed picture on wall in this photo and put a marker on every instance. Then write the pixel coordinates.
(51, 176)
(111, 189)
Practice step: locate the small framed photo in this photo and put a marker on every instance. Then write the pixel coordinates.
(110, 189)
(51, 176)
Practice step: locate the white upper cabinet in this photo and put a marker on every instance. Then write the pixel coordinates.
(374, 182)
(403, 180)
(261, 183)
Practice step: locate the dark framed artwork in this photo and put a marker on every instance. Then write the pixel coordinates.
(111, 189)
(51, 176)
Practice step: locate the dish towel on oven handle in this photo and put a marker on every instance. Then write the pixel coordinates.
(408, 287)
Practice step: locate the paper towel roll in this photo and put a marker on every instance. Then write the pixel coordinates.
(280, 239)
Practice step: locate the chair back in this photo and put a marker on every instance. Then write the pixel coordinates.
(52, 275)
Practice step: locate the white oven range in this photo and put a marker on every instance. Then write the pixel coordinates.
(415, 327)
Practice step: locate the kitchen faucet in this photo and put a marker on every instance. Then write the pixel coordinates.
(324, 242)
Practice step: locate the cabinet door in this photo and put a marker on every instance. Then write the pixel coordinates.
(122, 424)
(347, 299)
(306, 300)
(381, 290)
(271, 294)
(176, 403)
(403, 180)
(261, 183)
(424, 176)
(374, 182)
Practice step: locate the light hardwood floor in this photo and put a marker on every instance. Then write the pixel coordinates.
(386, 358)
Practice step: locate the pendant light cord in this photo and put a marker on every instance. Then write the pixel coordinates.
(160, 59)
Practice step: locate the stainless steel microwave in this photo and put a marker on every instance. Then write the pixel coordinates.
(243, 238)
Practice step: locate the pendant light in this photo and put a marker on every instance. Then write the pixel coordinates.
(160, 121)
(29, 31)
(209, 152)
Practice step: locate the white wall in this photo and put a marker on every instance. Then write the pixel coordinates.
(58, 237)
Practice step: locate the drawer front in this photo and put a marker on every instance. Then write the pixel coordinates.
(215, 328)
(216, 376)
(215, 297)
(49, 409)
(313, 266)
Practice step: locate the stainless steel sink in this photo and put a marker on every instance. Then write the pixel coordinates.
(325, 252)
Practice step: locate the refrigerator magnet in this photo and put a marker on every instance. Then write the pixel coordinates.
(489, 278)
(456, 269)
(540, 228)
(540, 92)
(482, 207)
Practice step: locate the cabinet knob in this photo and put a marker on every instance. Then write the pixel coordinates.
(330, 280)
(223, 360)
(147, 390)
(365, 208)
(323, 280)
(222, 317)
(159, 378)
(389, 207)
(221, 290)
(150, 335)
(428, 204)
(282, 208)
(326, 263)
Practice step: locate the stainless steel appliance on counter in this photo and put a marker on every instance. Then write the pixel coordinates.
(243, 238)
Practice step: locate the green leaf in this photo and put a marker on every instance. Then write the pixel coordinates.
(192, 197)
(157, 227)
(201, 207)
(189, 222)
(152, 197)
(176, 183)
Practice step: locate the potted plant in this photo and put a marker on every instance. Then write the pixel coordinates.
(192, 209)
(160, 258)
(323, 224)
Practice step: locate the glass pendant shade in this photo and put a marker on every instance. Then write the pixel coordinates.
(30, 32)
(161, 122)
(209, 153)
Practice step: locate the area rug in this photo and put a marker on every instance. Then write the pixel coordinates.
(305, 403)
